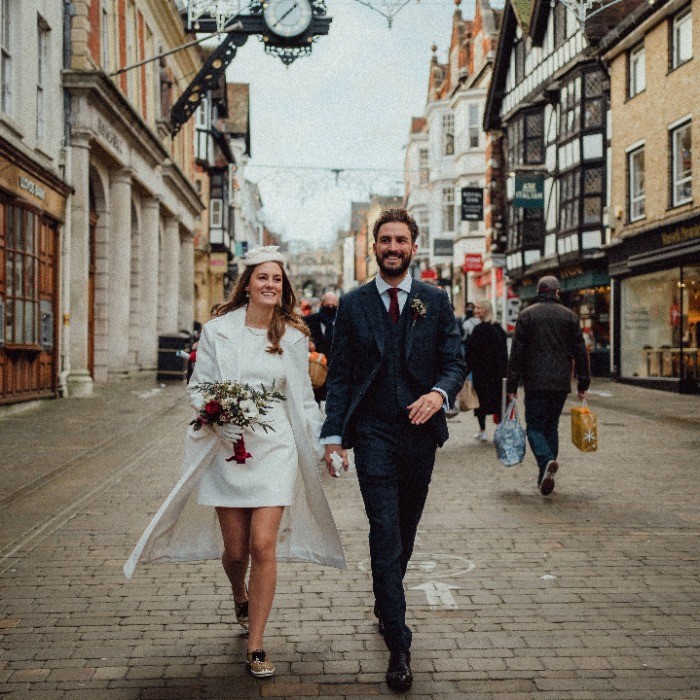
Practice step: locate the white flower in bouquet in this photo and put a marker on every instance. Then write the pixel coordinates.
(249, 409)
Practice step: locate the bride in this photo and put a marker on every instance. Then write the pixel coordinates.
(273, 507)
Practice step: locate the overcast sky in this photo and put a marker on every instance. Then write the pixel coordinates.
(348, 105)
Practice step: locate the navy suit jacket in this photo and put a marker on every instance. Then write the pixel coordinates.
(433, 354)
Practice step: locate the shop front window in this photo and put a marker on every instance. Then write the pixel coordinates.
(690, 323)
(21, 277)
(660, 316)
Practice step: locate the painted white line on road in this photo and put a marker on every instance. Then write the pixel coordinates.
(434, 563)
(439, 594)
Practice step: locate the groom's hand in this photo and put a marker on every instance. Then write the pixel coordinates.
(335, 449)
(425, 407)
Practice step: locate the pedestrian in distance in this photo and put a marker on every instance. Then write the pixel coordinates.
(396, 362)
(271, 507)
(321, 327)
(547, 340)
(486, 355)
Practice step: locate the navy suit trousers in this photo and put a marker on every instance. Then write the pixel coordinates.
(394, 463)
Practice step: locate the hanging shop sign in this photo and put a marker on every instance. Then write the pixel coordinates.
(529, 191)
(472, 204)
(473, 262)
(443, 246)
(218, 263)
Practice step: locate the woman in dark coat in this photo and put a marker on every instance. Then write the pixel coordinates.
(487, 360)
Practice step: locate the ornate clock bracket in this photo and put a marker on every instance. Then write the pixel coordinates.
(288, 49)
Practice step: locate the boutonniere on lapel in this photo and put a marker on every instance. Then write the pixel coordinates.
(418, 308)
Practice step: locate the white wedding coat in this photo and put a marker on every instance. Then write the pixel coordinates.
(182, 530)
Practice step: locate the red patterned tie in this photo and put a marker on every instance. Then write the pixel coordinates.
(394, 312)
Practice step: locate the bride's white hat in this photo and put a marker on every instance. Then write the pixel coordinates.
(267, 253)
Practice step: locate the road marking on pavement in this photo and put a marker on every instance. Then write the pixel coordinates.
(434, 563)
(548, 577)
(439, 594)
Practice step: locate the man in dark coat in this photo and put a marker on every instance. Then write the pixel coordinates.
(547, 338)
(321, 326)
(396, 362)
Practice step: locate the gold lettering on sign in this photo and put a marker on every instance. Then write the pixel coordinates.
(28, 186)
(679, 235)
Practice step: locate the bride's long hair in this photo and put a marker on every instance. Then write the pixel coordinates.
(283, 314)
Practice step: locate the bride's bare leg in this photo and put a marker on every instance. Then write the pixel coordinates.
(264, 528)
(235, 529)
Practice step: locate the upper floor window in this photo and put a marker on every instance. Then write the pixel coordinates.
(201, 122)
(423, 220)
(526, 139)
(582, 104)
(681, 39)
(637, 197)
(681, 165)
(423, 166)
(637, 71)
(448, 135)
(474, 126)
(42, 30)
(526, 228)
(448, 209)
(6, 56)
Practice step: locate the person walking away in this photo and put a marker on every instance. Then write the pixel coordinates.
(468, 324)
(271, 506)
(547, 339)
(486, 355)
(321, 327)
(396, 362)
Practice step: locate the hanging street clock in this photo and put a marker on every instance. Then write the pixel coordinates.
(287, 29)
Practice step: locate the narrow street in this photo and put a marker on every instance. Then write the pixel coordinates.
(591, 594)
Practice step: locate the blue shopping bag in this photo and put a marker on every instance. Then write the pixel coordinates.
(509, 438)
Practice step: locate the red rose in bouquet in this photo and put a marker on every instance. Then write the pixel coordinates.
(212, 409)
(238, 404)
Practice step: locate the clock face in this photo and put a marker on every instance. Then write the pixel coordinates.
(287, 18)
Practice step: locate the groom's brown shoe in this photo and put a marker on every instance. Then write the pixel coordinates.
(399, 676)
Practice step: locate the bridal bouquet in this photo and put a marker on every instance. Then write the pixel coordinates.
(233, 403)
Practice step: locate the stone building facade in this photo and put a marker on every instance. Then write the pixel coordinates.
(653, 57)
(130, 262)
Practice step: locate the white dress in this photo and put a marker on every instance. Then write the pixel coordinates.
(268, 477)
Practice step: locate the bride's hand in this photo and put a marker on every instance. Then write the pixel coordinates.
(229, 431)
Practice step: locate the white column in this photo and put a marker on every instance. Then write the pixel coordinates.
(79, 380)
(185, 311)
(150, 223)
(119, 273)
(171, 275)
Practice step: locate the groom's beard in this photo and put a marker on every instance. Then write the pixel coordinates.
(400, 264)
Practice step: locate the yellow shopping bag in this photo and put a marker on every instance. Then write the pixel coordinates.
(584, 428)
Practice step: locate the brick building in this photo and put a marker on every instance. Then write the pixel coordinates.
(653, 56)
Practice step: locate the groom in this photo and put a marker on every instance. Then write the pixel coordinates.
(396, 362)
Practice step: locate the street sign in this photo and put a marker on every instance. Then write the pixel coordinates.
(472, 204)
(473, 262)
(443, 246)
(428, 274)
(529, 191)
(241, 248)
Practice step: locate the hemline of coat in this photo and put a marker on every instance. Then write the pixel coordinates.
(182, 530)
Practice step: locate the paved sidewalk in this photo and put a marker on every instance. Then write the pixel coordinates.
(591, 594)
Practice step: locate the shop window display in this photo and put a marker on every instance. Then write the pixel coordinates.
(660, 317)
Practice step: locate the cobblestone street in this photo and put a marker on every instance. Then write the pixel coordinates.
(593, 593)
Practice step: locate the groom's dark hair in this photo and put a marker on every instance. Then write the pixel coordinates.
(399, 215)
